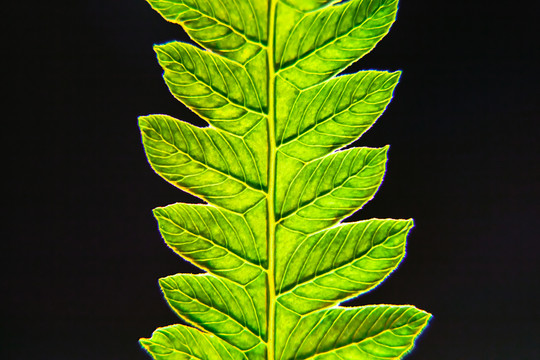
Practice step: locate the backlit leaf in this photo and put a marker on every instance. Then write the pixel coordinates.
(278, 181)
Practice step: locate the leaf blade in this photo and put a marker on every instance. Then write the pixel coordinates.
(223, 243)
(326, 117)
(179, 342)
(316, 46)
(318, 194)
(229, 311)
(334, 265)
(235, 29)
(222, 92)
(367, 333)
(171, 156)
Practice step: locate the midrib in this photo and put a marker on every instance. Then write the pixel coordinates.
(270, 196)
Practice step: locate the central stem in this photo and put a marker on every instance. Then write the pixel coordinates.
(270, 197)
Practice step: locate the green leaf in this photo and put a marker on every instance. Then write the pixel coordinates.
(190, 158)
(326, 117)
(222, 92)
(312, 47)
(315, 195)
(235, 29)
(233, 312)
(278, 181)
(221, 242)
(346, 261)
(368, 332)
(180, 342)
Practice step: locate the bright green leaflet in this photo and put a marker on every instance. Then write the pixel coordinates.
(277, 182)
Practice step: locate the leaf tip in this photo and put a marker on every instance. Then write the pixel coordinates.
(157, 47)
(161, 51)
(158, 212)
(142, 120)
(169, 283)
(163, 283)
(144, 343)
(424, 322)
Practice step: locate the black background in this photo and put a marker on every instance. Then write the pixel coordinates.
(81, 254)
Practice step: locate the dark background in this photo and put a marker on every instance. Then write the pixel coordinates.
(81, 254)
